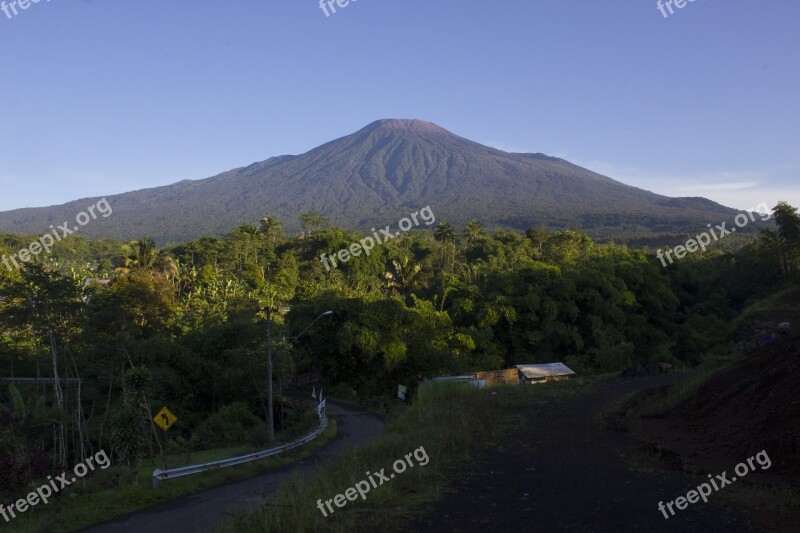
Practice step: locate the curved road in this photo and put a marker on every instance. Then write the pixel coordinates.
(204, 511)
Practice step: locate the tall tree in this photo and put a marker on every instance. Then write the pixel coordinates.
(788, 221)
(445, 235)
(538, 237)
(313, 221)
(472, 231)
(272, 230)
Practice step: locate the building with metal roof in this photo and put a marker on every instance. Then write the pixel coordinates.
(544, 372)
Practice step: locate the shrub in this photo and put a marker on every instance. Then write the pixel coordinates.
(233, 425)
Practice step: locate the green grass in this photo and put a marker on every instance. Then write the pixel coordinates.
(443, 421)
(777, 307)
(450, 421)
(103, 497)
(554, 390)
(773, 303)
(657, 405)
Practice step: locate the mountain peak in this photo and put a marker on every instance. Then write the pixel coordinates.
(415, 125)
(374, 176)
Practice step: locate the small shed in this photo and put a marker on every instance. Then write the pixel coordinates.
(532, 374)
(508, 376)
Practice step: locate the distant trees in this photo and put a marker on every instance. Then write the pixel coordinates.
(313, 221)
(184, 325)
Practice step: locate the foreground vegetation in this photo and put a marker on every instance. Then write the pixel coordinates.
(450, 421)
(118, 330)
(91, 502)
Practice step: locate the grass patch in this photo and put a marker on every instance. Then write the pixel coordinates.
(443, 420)
(658, 402)
(617, 414)
(658, 405)
(104, 497)
(775, 306)
(553, 390)
(449, 420)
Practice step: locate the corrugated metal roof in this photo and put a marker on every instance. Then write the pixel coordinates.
(470, 377)
(547, 370)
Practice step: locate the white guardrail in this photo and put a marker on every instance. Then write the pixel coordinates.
(163, 475)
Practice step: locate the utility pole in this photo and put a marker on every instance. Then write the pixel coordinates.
(270, 424)
(268, 309)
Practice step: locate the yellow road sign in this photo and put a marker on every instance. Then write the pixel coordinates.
(164, 419)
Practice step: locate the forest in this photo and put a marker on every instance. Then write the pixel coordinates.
(113, 331)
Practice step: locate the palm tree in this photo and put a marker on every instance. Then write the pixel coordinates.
(445, 235)
(147, 257)
(404, 275)
(472, 231)
(144, 253)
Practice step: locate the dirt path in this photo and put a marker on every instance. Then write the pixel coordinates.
(564, 471)
(202, 512)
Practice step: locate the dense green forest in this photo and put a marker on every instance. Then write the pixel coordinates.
(128, 327)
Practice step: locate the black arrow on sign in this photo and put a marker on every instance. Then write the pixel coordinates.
(166, 419)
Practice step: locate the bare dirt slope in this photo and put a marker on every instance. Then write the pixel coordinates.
(750, 407)
(564, 470)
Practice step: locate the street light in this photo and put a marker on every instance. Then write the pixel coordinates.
(294, 339)
(271, 425)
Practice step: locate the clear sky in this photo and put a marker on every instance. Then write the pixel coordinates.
(104, 97)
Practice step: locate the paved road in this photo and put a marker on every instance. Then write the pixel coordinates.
(202, 512)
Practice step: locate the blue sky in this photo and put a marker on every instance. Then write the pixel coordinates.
(107, 97)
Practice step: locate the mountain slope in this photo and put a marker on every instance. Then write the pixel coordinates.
(379, 174)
